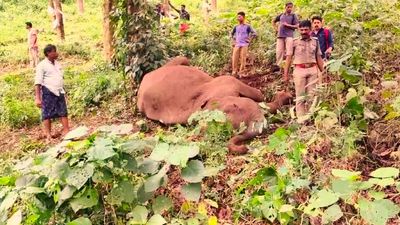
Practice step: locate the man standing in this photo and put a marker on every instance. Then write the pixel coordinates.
(33, 47)
(324, 36)
(183, 14)
(241, 35)
(306, 56)
(49, 91)
(288, 23)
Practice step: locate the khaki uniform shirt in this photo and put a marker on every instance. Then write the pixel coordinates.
(304, 51)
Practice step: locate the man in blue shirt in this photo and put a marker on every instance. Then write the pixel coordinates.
(324, 36)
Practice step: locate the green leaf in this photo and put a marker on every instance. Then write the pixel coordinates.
(156, 220)
(154, 182)
(345, 174)
(378, 212)
(193, 221)
(344, 188)
(80, 221)
(385, 172)
(269, 212)
(88, 199)
(297, 183)
(354, 108)
(161, 204)
(160, 152)
(277, 141)
(213, 171)
(192, 191)
(15, 219)
(122, 192)
(77, 133)
(9, 180)
(332, 214)
(143, 196)
(117, 129)
(382, 182)
(102, 149)
(139, 215)
(8, 201)
(66, 194)
(79, 176)
(324, 198)
(377, 195)
(148, 166)
(194, 172)
(180, 154)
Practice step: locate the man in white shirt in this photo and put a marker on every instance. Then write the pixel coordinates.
(49, 91)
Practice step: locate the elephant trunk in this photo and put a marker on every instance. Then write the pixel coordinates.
(236, 144)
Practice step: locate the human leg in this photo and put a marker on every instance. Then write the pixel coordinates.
(243, 57)
(235, 60)
(299, 78)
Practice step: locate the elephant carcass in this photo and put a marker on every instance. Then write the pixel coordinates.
(172, 93)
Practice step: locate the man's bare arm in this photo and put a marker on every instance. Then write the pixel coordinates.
(320, 63)
(38, 95)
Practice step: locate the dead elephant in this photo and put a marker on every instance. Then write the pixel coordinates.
(175, 91)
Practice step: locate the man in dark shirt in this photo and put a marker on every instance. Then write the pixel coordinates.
(288, 23)
(324, 36)
(183, 14)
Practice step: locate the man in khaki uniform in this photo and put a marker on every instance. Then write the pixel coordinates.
(33, 48)
(307, 59)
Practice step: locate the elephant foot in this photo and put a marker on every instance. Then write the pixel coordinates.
(236, 143)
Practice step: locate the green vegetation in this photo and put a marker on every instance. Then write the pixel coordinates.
(342, 167)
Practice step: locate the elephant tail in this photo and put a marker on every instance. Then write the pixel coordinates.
(236, 144)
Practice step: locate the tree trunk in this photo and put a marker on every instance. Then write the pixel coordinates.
(108, 30)
(80, 6)
(214, 5)
(59, 17)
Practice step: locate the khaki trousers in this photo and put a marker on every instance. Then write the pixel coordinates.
(305, 81)
(34, 56)
(282, 44)
(239, 55)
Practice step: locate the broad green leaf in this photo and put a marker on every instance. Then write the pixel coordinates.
(66, 194)
(103, 175)
(160, 152)
(161, 204)
(382, 182)
(154, 182)
(59, 170)
(269, 212)
(88, 199)
(180, 154)
(345, 174)
(332, 214)
(378, 212)
(194, 172)
(8, 180)
(143, 196)
(324, 198)
(77, 133)
(156, 220)
(213, 220)
(33, 190)
(139, 215)
(377, 195)
(286, 208)
(354, 107)
(129, 163)
(122, 192)
(117, 129)
(192, 221)
(398, 186)
(102, 149)
(296, 184)
(8, 201)
(15, 219)
(385, 172)
(80, 221)
(148, 166)
(344, 188)
(213, 171)
(192, 191)
(79, 176)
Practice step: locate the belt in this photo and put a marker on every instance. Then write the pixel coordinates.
(306, 65)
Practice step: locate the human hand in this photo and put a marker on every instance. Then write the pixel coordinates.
(38, 102)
